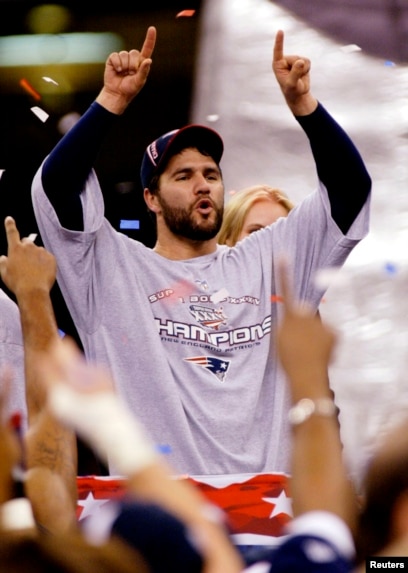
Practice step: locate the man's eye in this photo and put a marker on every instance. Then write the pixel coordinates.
(212, 177)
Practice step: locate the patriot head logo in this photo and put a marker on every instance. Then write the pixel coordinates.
(214, 365)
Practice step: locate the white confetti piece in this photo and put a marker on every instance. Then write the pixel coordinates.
(40, 113)
(350, 48)
(68, 121)
(324, 278)
(50, 80)
(1, 172)
(222, 294)
(213, 117)
(32, 237)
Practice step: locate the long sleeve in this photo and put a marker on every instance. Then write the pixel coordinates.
(68, 165)
(339, 166)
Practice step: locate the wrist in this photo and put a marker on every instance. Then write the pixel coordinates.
(28, 292)
(112, 102)
(306, 408)
(304, 105)
(311, 382)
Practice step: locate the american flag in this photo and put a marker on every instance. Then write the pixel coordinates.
(257, 507)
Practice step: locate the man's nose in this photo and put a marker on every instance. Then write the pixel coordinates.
(201, 184)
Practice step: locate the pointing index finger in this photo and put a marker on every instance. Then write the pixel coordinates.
(149, 43)
(278, 47)
(13, 236)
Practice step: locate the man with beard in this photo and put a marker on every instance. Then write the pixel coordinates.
(186, 327)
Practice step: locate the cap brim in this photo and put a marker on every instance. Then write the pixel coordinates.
(195, 135)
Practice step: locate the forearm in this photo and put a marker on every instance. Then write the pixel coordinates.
(319, 478)
(39, 330)
(339, 166)
(50, 447)
(69, 164)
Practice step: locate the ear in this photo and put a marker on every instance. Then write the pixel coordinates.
(151, 200)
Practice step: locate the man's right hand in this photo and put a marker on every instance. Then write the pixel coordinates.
(292, 73)
(126, 74)
(26, 267)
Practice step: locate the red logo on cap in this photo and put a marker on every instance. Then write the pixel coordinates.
(153, 150)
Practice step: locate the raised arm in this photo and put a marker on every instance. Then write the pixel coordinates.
(83, 397)
(70, 162)
(319, 479)
(29, 272)
(338, 162)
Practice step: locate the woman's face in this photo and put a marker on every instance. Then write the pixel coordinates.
(260, 215)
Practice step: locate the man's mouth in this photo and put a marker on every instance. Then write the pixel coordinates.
(204, 206)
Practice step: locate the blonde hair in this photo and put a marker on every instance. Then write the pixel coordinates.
(238, 206)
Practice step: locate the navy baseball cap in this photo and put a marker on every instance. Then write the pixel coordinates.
(193, 135)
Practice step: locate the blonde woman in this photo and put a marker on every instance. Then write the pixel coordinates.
(251, 209)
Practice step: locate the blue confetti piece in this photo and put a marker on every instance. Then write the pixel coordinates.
(390, 268)
(389, 64)
(129, 224)
(163, 448)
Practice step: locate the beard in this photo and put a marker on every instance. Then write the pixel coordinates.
(181, 222)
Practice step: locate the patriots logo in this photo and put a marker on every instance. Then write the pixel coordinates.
(214, 365)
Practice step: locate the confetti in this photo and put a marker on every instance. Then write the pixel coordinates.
(15, 421)
(213, 117)
(276, 298)
(390, 268)
(222, 294)
(163, 448)
(185, 14)
(324, 278)
(350, 48)
(129, 224)
(32, 237)
(1, 172)
(68, 121)
(29, 89)
(389, 64)
(40, 113)
(50, 80)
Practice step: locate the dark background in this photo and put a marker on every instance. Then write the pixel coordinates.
(163, 104)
